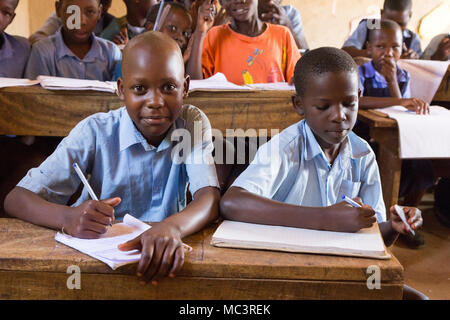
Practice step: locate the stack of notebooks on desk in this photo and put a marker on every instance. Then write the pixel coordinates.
(366, 243)
(56, 83)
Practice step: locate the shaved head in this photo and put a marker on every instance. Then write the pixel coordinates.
(153, 42)
(385, 25)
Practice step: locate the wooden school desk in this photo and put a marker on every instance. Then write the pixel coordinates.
(39, 112)
(34, 266)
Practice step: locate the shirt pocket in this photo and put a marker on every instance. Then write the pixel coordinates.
(349, 188)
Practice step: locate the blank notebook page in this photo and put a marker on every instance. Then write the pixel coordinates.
(365, 243)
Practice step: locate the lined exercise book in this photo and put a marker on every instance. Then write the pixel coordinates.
(364, 243)
(13, 82)
(105, 249)
(422, 136)
(57, 83)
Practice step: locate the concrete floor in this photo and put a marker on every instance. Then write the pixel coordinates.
(427, 269)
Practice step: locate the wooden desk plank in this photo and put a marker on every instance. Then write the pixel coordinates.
(26, 247)
(39, 112)
(443, 92)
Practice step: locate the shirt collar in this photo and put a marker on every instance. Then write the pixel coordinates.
(129, 135)
(351, 148)
(371, 72)
(94, 53)
(6, 50)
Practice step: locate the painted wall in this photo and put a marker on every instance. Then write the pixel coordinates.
(326, 22)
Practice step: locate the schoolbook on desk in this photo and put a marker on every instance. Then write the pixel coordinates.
(366, 243)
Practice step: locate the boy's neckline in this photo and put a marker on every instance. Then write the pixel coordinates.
(83, 53)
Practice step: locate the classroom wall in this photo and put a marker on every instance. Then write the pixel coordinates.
(326, 22)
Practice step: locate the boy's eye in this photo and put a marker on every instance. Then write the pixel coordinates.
(322, 108)
(169, 87)
(6, 13)
(186, 34)
(172, 28)
(138, 88)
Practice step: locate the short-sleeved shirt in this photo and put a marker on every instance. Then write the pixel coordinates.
(269, 57)
(51, 57)
(53, 23)
(122, 164)
(117, 25)
(373, 84)
(359, 38)
(14, 53)
(293, 169)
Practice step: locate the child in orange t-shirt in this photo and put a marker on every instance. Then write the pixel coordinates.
(249, 50)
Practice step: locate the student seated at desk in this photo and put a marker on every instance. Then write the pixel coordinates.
(249, 50)
(53, 23)
(382, 82)
(438, 48)
(128, 154)
(122, 29)
(14, 50)
(75, 53)
(395, 10)
(298, 178)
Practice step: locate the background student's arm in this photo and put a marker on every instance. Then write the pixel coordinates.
(414, 104)
(205, 21)
(162, 247)
(394, 226)
(355, 43)
(38, 62)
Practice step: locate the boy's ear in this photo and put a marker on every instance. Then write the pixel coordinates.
(369, 47)
(58, 8)
(100, 10)
(187, 81)
(120, 91)
(298, 105)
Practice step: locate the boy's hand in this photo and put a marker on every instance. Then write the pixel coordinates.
(274, 14)
(413, 216)
(443, 50)
(343, 217)
(122, 37)
(389, 70)
(162, 252)
(205, 18)
(408, 53)
(90, 219)
(416, 104)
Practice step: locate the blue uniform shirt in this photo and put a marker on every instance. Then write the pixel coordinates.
(293, 169)
(373, 84)
(14, 55)
(51, 57)
(122, 164)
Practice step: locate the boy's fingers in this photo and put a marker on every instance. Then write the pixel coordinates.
(166, 262)
(99, 218)
(177, 262)
(93, 226)
(146, 258)
(358, 200)
(113, 202)
(131, 245)
(160, 247)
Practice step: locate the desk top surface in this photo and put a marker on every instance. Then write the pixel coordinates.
(26, 247)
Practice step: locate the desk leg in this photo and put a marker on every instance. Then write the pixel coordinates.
(389, 163)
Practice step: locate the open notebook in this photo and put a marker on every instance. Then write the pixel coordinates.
(58, 83)
(364, 243)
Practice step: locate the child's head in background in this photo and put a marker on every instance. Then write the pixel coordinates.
(7, 13)
(327, 87)
(385, 43)
(153, 84)
(90, 11)
(141, 5)
(177, 24)
(106, 5)
(399, 11)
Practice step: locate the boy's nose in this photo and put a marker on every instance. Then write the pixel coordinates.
(154, 99)
(339, 114)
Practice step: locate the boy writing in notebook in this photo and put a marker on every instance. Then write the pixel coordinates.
(74, 51)
(399, 11)
(128, 153)
(382, 82)
(298, 178)
(14, 51)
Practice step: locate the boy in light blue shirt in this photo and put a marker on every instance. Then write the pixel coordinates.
(298, 178)
(75, 53)
(135, 164)
(14, 50)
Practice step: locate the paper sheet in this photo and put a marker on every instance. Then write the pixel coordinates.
(426, 77)
(105, 249)
(12, 82)
(217, 82)
(57, 83)
(272, 86)
(365, 243)
(422, 136)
